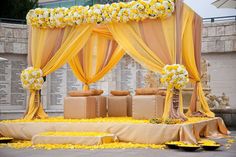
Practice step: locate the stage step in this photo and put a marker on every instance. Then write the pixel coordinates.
(83, 138)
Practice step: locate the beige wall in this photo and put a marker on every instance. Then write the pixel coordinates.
(219, 48)
(222, 72)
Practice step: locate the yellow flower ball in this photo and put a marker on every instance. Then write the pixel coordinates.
(31, 78)
(174, 76)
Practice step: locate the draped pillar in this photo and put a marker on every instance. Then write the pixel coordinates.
(152, 44)
(178, 24)
(191, 60)
(49, 49)
(166, 50)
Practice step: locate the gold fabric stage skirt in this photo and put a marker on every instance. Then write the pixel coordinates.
(136, 132)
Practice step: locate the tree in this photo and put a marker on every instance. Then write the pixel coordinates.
(16, 9)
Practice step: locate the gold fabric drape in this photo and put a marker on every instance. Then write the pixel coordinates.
(49, 49)
(99, 55)
(191, 59)
(129, 38)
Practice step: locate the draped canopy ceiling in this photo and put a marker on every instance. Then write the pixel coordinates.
(93, 40)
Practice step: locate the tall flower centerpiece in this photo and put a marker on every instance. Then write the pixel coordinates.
(32, 79)
(175, 77)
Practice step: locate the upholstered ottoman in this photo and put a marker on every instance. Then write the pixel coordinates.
(147, 106)
(101, 108)
(80, 107)
(119, 106)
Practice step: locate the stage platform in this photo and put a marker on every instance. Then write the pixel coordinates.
(126, 129)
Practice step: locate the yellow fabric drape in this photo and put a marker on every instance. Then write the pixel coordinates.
(129, 38)
(49, 50)
(190, 64)
(168, 27)
(99, 55)
(73, 40)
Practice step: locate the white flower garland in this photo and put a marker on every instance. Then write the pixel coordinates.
(174, 76)
(99, 13)
(32, 78)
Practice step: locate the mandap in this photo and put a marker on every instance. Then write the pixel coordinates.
(93, 39)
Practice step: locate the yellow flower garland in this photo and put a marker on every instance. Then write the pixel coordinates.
(99, 13)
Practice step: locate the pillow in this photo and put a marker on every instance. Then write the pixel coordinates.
(146, 91)
(96, 92)
(77, 93)
(120, 92)
(161, 92)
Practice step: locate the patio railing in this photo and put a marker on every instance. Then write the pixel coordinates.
(15, 21)
(218, 19)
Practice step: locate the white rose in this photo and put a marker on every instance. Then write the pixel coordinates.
(34, 73)
(97, 11)
(31, 80)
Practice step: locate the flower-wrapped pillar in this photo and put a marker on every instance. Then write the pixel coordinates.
(32, 79)
(175, 77)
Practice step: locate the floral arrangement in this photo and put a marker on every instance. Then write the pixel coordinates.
(172, 121)
(206, 141)
(156, 120)
(174, 76)
(32, 78)
(100, 13)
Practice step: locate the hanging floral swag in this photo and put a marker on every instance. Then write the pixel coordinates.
(99, 13)
(32, 78)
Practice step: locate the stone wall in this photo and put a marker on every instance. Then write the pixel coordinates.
(219, 37)
(219, 49)
(13, 38)
(13, 47)
(218, 46)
